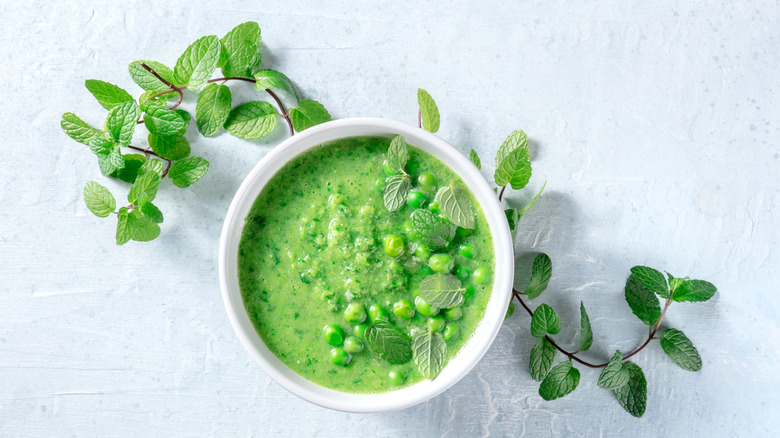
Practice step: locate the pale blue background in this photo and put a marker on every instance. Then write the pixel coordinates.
(654, 123)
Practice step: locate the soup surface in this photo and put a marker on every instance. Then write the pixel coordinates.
(322, 260)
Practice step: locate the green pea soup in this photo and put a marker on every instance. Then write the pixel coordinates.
(320, 249)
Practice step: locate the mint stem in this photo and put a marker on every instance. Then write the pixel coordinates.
(179, 90)
(573, 356)
(501, 194)
(148, 152)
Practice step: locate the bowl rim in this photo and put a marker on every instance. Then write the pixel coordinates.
(469, 354)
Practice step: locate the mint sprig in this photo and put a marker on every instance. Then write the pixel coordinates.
(238, 55)
(644, 287)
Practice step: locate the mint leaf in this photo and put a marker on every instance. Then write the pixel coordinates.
(694, 291)
(123, 231)
(515, 169)
(159, 100)
(121, 121)
(153, 165)
(78, 129)
(142, 228)
(586, 333)
(151, 212)
(396, 190)
(397, 154)
(107, 161)
(307, 114)
(428, 111)
(266, 79)
(241, 50)
(187, 171)
(432, 229)
(516, 140)
(115, 157)
(148, 81)
(542, 356)
(633, 395)
(642, 301)
(545, 320)
(475, 159)
(681, 350)
(442, 290)
(144, 189)
(101, 145)
(456, 207)
(512, 216)
(251, 120)
(198, 62)
(98, 199)
(389, 343)
(212, 109)
(510, 310)
(540, 276)
(614, 375)
(162, 121)
(531, 203)
(184, 116)
(561, 380)
(674, 284)
(429, 350)
(129, 171)
(651, 279)
(173, 147)
(107, 95)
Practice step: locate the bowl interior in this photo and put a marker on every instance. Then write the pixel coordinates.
(471, 352)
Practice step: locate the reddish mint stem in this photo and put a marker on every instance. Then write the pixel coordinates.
(572, 356)
(179, 90)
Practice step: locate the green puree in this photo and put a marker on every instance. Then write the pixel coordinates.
(316, 241)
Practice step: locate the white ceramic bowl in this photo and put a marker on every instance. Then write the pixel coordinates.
(458, 366)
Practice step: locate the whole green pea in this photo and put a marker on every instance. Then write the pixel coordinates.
(462, 273)
(338, 356)
(470, 290)
(453, 313)
(434, 207)
(424, 308)
(481, 275)
(355, 313)
(451, 332)
(427, 182)
(436, 323)
(423, 252)
(396, 378)
(441, 263)
(334, 335)
(360, 330)
(468, 251)
(394, 245)
(353, 345)
(403, 309)
(416, 199)
(377, 313)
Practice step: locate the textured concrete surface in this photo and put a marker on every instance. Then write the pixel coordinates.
(654, 123)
